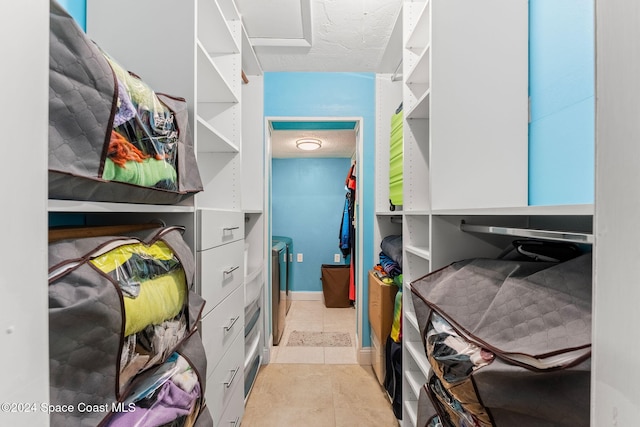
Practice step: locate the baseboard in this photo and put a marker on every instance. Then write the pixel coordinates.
(306, 296)
(365, 356)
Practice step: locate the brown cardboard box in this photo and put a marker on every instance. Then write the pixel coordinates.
(381, 302)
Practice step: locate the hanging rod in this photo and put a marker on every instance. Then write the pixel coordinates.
(561, 236)
(397, 76)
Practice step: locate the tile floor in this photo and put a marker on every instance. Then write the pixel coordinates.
(317, 386)
(314, 316)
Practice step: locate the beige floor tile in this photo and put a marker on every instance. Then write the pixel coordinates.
(288, 354)
(287, 416)
(337, 326)
(340, 356)
(357, 387)
(305, 316)
(304, 325)
(365, 417)
(303, 386)
(317, 386)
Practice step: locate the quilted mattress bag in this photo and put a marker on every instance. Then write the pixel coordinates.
(509, 343)
(122, 314)
(111, 137)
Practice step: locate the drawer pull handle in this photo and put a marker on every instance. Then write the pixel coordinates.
(235, 422)
(230, 228)
(231, 323)
(231, 270)
(233, 376)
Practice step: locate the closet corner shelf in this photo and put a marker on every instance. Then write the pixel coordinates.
(55, 205)
(389, 213)
(229, 10)
(410, 408)
(253, 274)
(417, 213)
(213, 29)
(250, 64)
(421, 28)
(417, 353)
(412, 319)
(418, 251)
(421, 109)
(413, 382)
(212, 141)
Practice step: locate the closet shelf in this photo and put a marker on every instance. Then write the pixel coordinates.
(419, 356)
(253, 274)
(421, 33)
(562, 236)
(211, 140)
(421, 109)
(213, 30)
(410, 408)
(55, 205)
(414, 383)
(418, 251)
(413, 320)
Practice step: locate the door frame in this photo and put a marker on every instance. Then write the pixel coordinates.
(362, 354)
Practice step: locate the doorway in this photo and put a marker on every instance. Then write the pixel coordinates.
(311, 222)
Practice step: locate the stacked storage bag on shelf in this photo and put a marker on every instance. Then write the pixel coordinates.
(124, 348)
(508, 341)
(111, 137)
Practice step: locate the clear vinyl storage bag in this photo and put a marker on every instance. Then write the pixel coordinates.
(508, 343)
(124, 348)
(111, 137)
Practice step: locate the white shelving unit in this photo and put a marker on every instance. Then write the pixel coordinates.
(253, 207)
(201, 62)
(465, 97)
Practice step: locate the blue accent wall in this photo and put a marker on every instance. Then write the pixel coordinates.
(561, 86)
(310, 94)
(77, 9)
(307, 202)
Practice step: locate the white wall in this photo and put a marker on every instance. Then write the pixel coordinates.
(615, 380)
(23, 282)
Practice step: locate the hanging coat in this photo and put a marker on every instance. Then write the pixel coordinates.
(345, 227)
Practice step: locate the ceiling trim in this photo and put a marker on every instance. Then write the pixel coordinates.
(307, 39)
(314, 125)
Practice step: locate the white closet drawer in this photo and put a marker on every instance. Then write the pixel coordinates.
(232, 414)
(220, 327)
(221, 273)
(219, 227)
(226, 384)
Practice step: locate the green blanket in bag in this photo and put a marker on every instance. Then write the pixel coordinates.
(160, 298)
(396, 160)
(146, 173)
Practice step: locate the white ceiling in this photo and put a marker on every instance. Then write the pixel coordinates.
(335, 143)
(319, 35)
(322, 36)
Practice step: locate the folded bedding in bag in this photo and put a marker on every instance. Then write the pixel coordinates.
(508, 342)
(90, 360)
(159, 296)
(91, 98)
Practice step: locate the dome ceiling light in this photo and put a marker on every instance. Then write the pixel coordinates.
(308, 144)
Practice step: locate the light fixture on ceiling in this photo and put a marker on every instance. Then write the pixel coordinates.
(308, 144)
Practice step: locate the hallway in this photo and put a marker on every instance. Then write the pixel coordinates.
(314, 380)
